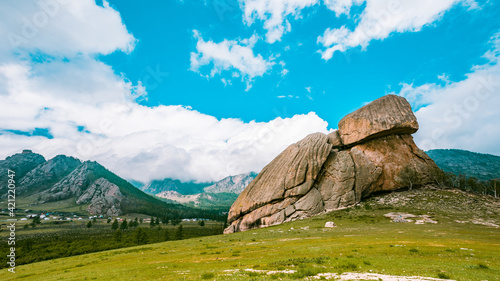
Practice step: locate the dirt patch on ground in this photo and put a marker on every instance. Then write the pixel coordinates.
(372, 276)
(404, 217)
(344, 276)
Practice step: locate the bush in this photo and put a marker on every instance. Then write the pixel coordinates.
(408, 177)
(443, 275)
(207, 275)
(482, 266)
(305, 272)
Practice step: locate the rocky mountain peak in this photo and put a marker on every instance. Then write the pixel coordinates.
(232, 184)
(21, 164)
(327, 172)
(48, 173)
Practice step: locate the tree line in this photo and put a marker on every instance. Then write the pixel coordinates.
(409, 178)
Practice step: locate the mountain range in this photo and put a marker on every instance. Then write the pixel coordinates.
(213, 194)
(66, 184)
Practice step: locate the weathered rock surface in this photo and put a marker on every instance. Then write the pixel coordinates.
(21, 164)
(47, 173)
(232, 184)
(103, 197)
(322, 173)
(71, 185)
(385, 116)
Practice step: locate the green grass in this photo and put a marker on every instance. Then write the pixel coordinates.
(361, 243)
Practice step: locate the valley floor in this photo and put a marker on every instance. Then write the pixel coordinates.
(464, 244)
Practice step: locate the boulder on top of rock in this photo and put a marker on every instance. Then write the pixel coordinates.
(324, 173)
(385, 116)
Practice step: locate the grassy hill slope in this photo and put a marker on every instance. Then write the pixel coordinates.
(462, 245)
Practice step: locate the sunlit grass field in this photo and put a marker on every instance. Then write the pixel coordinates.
(363, 241)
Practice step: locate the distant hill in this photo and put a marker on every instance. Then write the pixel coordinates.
(183, 188)
(207, 195)
(66, 184)
(471, 164)
(232, 184)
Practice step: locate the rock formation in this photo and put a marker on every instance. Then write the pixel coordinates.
(103, 197)
(47, 173)
(21, 164)
(328, 172)
(232, 184)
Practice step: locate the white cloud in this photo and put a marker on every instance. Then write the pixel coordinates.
(92, 113)
(64, 28)
(230, 55)
(341, 6)
(275, 14)
(379, 19)
(136, 141)
(462, 114)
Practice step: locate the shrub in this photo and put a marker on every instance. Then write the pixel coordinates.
(443, 275)
(305, 272)
(482, 266)
(208, 275)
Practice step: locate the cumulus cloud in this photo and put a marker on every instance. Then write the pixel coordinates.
(341, 6)
(462, 114)
(379, 19)
(53, 83)
(64, 28)
(274, 14)
(230, 55)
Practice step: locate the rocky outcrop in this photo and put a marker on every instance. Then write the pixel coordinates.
(232, 184)
(289, 176)
(103, 197)
(48, 173)
(21, 164)
(74, 184)
(327, 172)
(385, 116)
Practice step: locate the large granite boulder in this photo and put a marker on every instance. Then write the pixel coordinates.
(385, 116)
(327, 172)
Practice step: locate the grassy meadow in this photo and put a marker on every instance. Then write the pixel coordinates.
(464, 244)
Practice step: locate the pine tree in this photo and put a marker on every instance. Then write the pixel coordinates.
(117, 236)
(89, 224)
(140, 235)
(36, 220)
(152, 222)
(157, 221)
(115, 224)
(178, 233)
(166, 235)
(124, 224)
(109, 220)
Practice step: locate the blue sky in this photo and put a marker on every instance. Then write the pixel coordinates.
(198, 90)
(164, 30)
